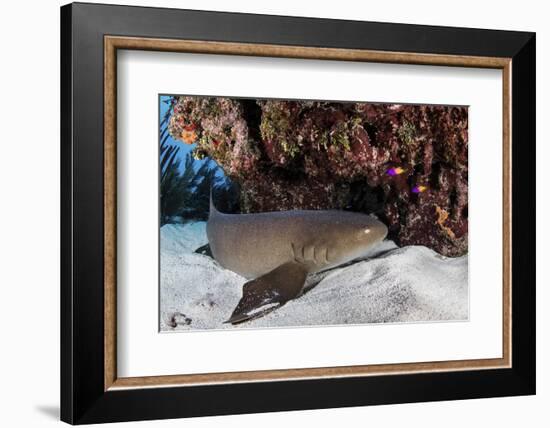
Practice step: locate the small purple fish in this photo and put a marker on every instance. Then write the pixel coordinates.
(392, 172)
(419, 189)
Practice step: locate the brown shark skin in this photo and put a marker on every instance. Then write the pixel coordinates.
(254, 244)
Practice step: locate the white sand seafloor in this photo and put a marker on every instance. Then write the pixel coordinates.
(389, 285)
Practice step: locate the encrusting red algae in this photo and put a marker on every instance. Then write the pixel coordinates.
(407, 163)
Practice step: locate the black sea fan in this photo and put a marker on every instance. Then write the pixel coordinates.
(184, 191)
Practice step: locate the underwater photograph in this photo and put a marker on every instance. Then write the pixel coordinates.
(294, 213)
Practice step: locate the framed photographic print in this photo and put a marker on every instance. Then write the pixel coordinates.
(265, 213)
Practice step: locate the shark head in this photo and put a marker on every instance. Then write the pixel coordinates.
(355, 235)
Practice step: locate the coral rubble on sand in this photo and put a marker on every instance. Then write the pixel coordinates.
(408, 163)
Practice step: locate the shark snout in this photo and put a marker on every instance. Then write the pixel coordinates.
(376, 232)
(372, 231)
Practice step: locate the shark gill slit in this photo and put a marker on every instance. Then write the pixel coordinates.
(315, 251)
(309, 253)
(294, 252)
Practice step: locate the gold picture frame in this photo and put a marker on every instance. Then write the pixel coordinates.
(114, 43)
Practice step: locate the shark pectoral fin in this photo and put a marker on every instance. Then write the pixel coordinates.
(270, 291)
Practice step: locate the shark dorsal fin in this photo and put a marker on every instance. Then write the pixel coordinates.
(212, 211)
